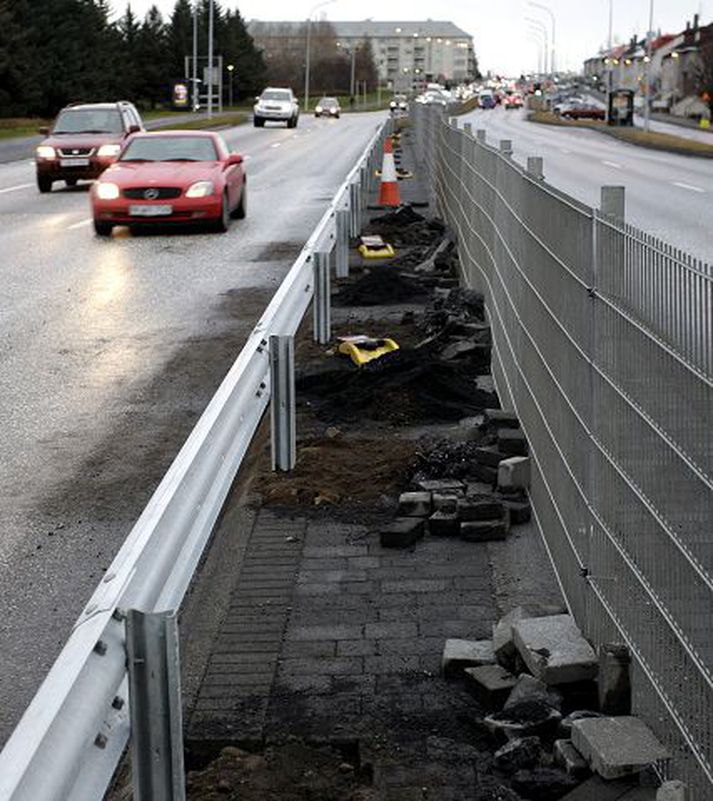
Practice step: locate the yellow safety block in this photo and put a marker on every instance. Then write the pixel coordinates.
(363, 349)
(384, 252)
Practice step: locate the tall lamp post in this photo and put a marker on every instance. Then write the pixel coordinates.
(195, 56)
(610, 72)
(539, 26)
(230, 69)
(548, 10)
(210, 58)
(307, 54)
(535, 38)
(647, 60)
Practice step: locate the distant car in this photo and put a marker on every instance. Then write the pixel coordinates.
(513, 100)
(399, 103)
(486, 100)
(83, 141)
(171, 177)
(279, 105)
(583, 111)
(328, 107)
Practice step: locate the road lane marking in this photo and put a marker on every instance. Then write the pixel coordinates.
(14, 188)
(276, 144)
(565, 151)
(690, 187)
(79, 224)
(612, 164)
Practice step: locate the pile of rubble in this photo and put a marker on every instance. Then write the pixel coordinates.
(483, 503)
(558, 710)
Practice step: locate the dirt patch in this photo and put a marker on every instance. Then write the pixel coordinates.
(405, 227)
(446, 459)
(380, 286)
(280, 251)
(291, 772)
(339, 470)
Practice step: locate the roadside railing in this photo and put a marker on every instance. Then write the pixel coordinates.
(118, 673)
(602, 343)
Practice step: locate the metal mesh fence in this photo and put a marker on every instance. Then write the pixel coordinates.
(602, 342)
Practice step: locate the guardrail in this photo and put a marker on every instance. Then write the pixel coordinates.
(72, 736)
(603, 344)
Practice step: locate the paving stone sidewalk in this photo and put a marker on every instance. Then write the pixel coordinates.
(331, 637)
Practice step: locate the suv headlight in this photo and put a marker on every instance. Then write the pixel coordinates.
(318, 109)
(200, 189)
(46, 152)
(107, 191)
(109, 150)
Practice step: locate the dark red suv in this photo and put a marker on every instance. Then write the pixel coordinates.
(84, 140)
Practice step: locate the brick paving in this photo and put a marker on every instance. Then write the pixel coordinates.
(330, 636)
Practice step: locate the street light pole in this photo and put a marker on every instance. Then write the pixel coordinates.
(649, 43)
(610, 72)
(195, 56)
(210, 59)
(307, 53)
(548, 10)
(542, 28)
(538, 41)
(352, 79)
(230, 69)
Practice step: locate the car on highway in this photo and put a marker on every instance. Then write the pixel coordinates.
(187, 177)
(583, 111)
(486, 99)
(83, 141)
(399, 103)
(328, 107)
(513, 100)
(276, 105)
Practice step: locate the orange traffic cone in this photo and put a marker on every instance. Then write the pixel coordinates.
(389, 188)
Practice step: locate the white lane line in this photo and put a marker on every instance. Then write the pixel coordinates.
(276, 144)
(79, 224)
(14, 188)
(690, 187)
(565, 151)
(612, 164)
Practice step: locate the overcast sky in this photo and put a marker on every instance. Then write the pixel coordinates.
(499, 27)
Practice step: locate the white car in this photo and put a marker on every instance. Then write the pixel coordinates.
(276, 104)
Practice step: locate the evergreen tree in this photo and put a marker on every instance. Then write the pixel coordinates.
(128, 30)
(153, 59)
(180, 37)
(238, 49)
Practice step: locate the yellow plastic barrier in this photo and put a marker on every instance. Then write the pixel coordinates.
(363, 349)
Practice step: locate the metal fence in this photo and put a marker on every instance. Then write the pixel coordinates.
(118, 674)
(602, 343)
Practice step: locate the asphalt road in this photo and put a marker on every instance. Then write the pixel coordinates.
(666, 194)
(109, 351)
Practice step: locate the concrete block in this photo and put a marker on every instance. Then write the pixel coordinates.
(445, 485)
(554, 649)
(489, 456)
(518, 511)
(614, 684)
(402, 532)
(528, 689)
(524, 752)
(501, 418)
(444, 524)
(477, 488)
(565, 729)
(483, 507)
(569, 759)
(415, 504)
(445, 502)
(514, 472)
(502, 635)
(461, 654)
(673, 790)
(512, 441)
(484, 530)
(616, 747)
(488, 475)
(490, 684)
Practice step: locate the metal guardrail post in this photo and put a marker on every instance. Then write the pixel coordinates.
(155, 704)
(354, 206)
(535, 167)
(282, 402)
(342, 249)
(613, 201)
(322, 304)
(481, 135)
(506, 147)
(468, 128)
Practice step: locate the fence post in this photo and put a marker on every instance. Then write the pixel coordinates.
(322, 301)
(342, 246)
(613, 202)
(481, 135)
(506, 147)
(282, 402)
(155, 706)
(535, 167)
(468, 128)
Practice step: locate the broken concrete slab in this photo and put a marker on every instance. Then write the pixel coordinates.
(484, 530)
(445, 502)
(512, 442)
(518, 511)
(461, 654)
(483, 507)
(617, 746)
(523, 720)
(528, 688)
(674, 790)
(501, 418)
(565, 729)
(402, 532)
(524, 752)
(542, 784)
(415, 504)
(554, 649)
(489, 684)
(489, 456)
(503, 644)
(444, 524)
(596, 789)
(450, 485)
(514, 472)
(489, 475)
(569, 759)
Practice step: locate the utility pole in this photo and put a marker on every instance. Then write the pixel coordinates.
(610, 74)
(210, 59)
(352, 81)
(649, 43)
(195, 55)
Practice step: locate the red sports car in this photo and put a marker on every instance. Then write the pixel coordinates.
(172, 177)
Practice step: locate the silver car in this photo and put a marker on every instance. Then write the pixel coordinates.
(276, 104)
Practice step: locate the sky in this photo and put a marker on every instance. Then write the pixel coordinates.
(499, 28)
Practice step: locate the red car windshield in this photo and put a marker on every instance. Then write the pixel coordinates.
(170, 148)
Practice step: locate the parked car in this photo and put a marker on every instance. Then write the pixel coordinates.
(328, 107)
(399, 103)
(83, 141)
(171, 177)
(278, 105)
(583, 111)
